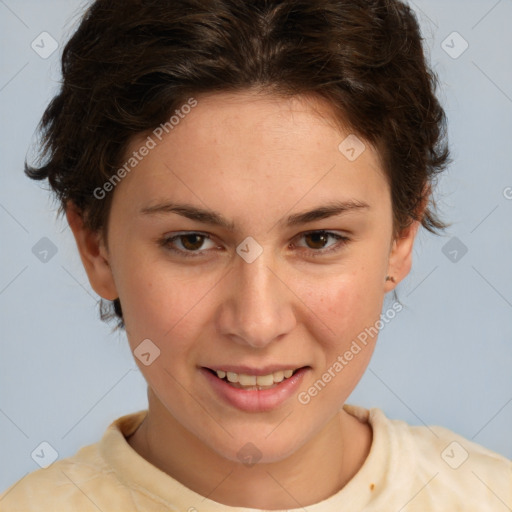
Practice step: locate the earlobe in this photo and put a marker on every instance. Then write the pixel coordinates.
(93, 254)
(400, 258)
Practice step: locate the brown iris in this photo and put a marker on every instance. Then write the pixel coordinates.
(192, 242)
(318, 239)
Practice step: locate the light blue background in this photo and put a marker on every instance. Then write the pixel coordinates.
(446, 359)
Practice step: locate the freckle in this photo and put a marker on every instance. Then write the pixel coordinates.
(372, 487)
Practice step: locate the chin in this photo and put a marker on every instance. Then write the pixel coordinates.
(248, 448)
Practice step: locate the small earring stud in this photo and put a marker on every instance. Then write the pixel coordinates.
(390, 278)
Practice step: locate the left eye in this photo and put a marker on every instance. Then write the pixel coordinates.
(317, 242)
(319, 239)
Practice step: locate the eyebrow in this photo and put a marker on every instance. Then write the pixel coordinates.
(331, 209)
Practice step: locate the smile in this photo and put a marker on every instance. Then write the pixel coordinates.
(254, 382)
(254, 390)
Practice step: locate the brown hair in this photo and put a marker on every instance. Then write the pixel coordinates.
(131, 63)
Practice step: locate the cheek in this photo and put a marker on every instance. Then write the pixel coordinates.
(350, 307)
(346, 303)
(161, 303)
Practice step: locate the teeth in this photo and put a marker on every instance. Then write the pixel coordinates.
(265, 380)
(278, 376)
(247, 380)
(255, 380)
(232, 377)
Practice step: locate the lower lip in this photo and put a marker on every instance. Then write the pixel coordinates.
(255, 400)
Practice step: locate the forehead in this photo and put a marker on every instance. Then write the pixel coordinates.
(265, 149)
(255, 119)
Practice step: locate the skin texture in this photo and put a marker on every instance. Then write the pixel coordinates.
(255, 159)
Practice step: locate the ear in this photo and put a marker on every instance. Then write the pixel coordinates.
(93, 253)
(400, 257)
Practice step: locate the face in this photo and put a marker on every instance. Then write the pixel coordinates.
(216, 263)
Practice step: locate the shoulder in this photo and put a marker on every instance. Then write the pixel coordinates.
(64, 482)
(80, 482)
(450, 466)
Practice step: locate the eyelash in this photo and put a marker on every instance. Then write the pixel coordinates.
(167, 241)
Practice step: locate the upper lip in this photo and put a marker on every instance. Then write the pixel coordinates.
(250, 370)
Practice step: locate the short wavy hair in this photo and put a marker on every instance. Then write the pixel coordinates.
(131, 63)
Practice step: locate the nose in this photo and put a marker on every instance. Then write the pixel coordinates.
(258, 306)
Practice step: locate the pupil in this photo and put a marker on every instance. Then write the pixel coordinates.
(318, 238)
(185, 239)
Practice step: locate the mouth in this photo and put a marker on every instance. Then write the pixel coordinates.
(254, 390)
(252, 381)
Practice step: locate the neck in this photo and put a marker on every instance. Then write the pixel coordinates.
(314, 472)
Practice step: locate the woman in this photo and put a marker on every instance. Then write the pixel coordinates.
(245, 182)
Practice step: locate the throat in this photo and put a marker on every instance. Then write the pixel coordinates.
(138, 440)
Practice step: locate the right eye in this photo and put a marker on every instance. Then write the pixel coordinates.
(187, 244)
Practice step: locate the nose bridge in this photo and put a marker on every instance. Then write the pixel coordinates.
(259, 308)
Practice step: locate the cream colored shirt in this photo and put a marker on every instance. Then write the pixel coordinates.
(408, 469)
